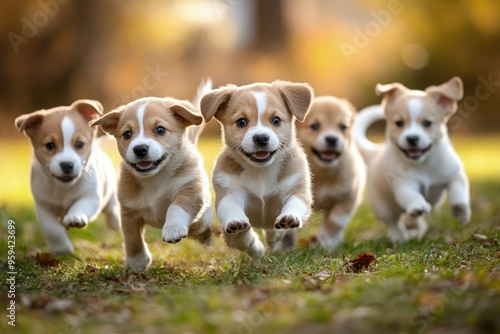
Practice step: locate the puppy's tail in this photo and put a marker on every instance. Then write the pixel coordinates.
(367, 117)
(194, 132)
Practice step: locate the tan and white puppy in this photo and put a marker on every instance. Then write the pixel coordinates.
(162, 179)
(72, 179)
(261, 177)
(337, 167)
(410, 173)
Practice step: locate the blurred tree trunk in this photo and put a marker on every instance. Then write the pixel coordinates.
(270, 32)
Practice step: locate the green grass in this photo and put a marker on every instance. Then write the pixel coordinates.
(449, 282)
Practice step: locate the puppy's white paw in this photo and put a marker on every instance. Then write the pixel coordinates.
(237, 226)
(462, 212)
(140, 261)
(418, 207)
(75, 220)
(287, 221)
(174, 232)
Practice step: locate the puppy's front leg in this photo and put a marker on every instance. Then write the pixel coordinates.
(294, 213)
(230, 211)
(181, 213)
(410, 199)
(83, 211)
(458, 192)
(54, 232)
(332, 231)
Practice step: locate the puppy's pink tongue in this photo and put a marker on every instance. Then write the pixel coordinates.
(414, 153)
(261, 155)
(144, 164)
(328, 155)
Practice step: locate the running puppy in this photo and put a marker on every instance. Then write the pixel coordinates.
(337, 168)
(411, 172)
(72, 179)
(162, 179)
(261, 178)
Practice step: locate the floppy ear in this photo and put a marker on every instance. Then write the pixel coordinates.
(89, 109)
(30, 123)
(184, 111)
(215, 101)
(297, 97)
(108, 121)
(390, 91)
(446, 95)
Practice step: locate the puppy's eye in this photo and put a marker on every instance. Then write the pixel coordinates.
(276, 121)
(315, 126)
(79, 144)
(426, 123)
(50, 146)
(127, 135)
(342, 127)
(399, 124)
(160, 131)
(241, 123)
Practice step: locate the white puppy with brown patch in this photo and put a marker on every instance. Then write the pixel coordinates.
(72, 179)
(417, 165)
(337, 167)
(162, 179)
(261, 178)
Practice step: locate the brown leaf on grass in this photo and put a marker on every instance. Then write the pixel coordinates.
(308, 243)
(362, 261)
(46, 260)
(46, 303)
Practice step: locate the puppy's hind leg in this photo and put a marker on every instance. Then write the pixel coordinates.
(247, 241)
(112, 213)
(202, 229)
(281, 240)
(55, 232)
(331, 233)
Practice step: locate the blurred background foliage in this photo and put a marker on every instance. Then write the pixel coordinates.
(56, 51)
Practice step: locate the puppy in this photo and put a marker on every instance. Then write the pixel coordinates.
(416, 166)
(72, 179)
(261, 177)
(162, 179)
(337, 168)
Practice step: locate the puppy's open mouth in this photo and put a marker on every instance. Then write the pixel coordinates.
(65, 178)
(326, 156)
(415, 153)
(259, 156)
(147, 166)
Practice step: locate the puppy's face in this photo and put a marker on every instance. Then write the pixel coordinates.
(416, 120)
(149, 132)
(258, 120)
(326, 133)
(61, 138)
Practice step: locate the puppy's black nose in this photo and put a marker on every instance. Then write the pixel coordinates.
(66, 167)
(141, 150)
(331, 140)
(261, 140)
(412, 140)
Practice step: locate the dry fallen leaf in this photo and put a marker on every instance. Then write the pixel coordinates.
(362, 261)
(308, 243)
(46, 260)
